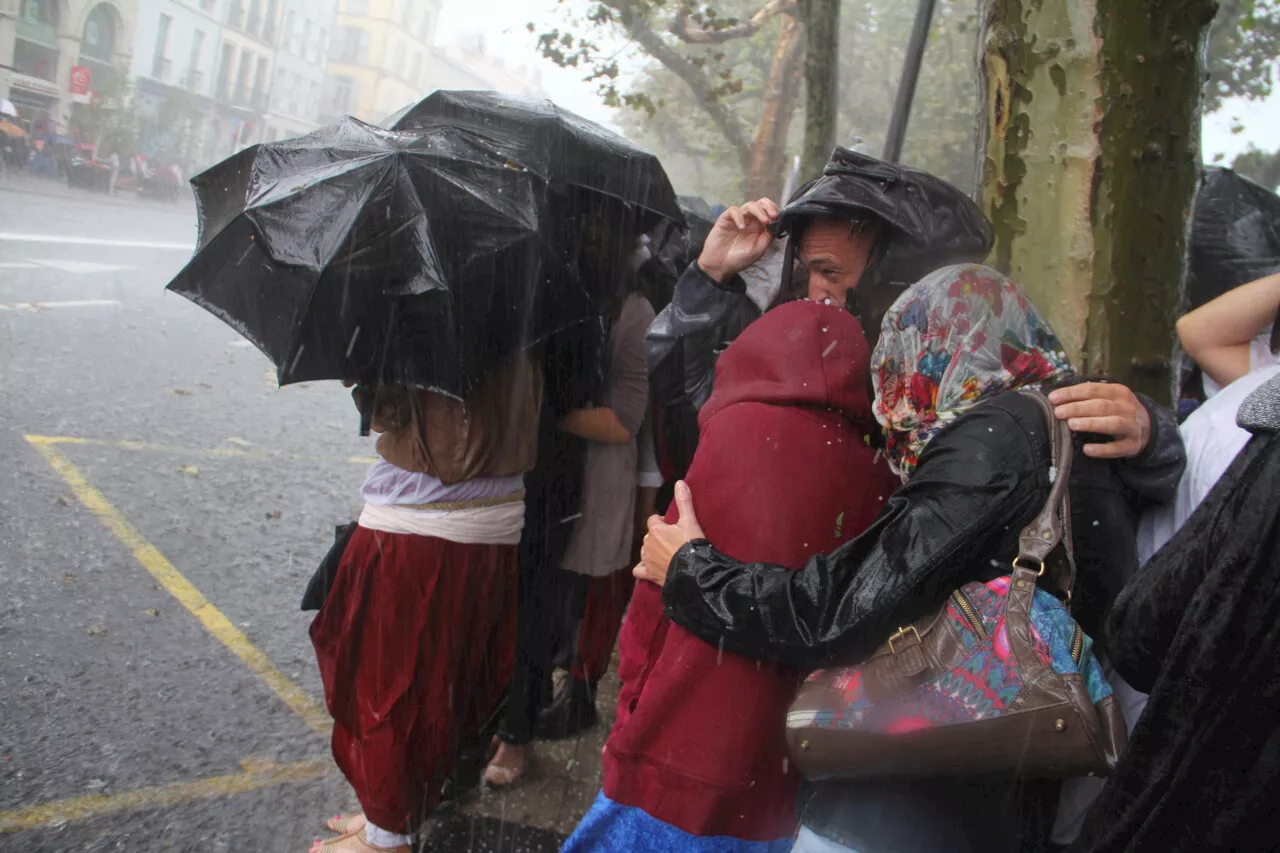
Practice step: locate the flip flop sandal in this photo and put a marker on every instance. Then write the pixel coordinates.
(364, 839)
(358, 836)
(342, 823)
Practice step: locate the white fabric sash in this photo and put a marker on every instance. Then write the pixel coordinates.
(489, 525)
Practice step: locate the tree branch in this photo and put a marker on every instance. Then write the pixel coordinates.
(742, 29)
(729, 125)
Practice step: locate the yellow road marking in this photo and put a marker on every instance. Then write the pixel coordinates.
(47, 440)
(311, 712)
(257, 775)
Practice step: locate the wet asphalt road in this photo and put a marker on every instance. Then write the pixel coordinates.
(147, 457)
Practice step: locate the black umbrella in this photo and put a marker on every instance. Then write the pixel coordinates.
(555, 144)
(1235, 234)
(419, 258)
(673, 247)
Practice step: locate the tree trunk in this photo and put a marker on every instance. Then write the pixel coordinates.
(821, 67)
(1090, 163)
(768, 153)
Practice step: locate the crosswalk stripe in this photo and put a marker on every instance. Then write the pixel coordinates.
(72, 303)
(14, 237)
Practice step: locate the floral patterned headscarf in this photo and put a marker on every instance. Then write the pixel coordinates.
(957, 337)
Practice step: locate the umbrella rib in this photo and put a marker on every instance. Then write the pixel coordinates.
(295, 350)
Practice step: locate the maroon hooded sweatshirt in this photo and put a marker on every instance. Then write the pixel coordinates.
(783, 471)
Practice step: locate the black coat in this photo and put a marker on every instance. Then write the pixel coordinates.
(1199, 629)
(956, 520)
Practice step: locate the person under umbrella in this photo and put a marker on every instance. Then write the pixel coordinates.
(425, 268)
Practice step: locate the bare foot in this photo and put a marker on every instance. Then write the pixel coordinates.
(508, 765)
(345, 824)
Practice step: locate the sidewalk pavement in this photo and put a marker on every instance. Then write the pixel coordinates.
(21, 182)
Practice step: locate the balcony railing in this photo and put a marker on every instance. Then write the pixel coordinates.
(161, 68)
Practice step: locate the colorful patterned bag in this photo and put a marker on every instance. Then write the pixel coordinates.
(1000, 680)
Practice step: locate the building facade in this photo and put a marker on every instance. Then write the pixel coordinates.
(54, 54)
(174, 64)
(302, 51)
(246, 61)
(468, 65)
(379, 58)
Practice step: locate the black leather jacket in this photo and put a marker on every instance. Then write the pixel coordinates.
(956, 520)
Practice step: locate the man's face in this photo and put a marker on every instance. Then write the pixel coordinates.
(835, 257)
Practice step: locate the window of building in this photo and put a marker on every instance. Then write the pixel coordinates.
(341, 96)
(308, 48)
(398, 67)
(351, 44)
(195, 77)
(160, 61)
(224, 72)
(288, 38)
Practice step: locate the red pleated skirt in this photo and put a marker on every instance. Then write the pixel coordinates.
(415, 642)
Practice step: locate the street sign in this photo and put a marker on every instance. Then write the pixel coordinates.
(81, 80)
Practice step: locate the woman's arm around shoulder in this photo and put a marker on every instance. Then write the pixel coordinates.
(974, 481)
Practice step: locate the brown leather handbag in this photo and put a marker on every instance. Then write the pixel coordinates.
(999, 680)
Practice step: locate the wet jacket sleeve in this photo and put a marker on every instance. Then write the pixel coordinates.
(1152, 476)
(974, 483)
(682, 343)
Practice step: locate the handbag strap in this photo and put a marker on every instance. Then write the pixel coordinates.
(1051, 528)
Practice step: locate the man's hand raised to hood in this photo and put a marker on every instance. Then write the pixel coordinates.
(739, 238)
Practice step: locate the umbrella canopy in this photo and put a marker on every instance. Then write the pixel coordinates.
(557, 145)
(420, 258)
(7, 108)
(358, 253)
(673, 247)
(8, 128)
(932, 223)
(1235, 234)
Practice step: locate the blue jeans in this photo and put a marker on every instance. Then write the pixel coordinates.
(809, 841)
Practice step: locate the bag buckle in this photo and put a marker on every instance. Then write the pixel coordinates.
(900, 634)
(1039, 573)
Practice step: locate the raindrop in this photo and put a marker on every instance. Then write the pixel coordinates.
(826, 352)
(720, 651)
(352, 344)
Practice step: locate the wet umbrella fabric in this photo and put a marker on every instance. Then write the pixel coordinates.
(1235, 234)
(673, 247)
(364, 254)
(555, 144)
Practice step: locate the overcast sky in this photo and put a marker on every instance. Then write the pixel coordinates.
(503, 25)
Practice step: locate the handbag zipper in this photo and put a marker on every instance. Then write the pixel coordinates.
(1077, 645)
(970, 613)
